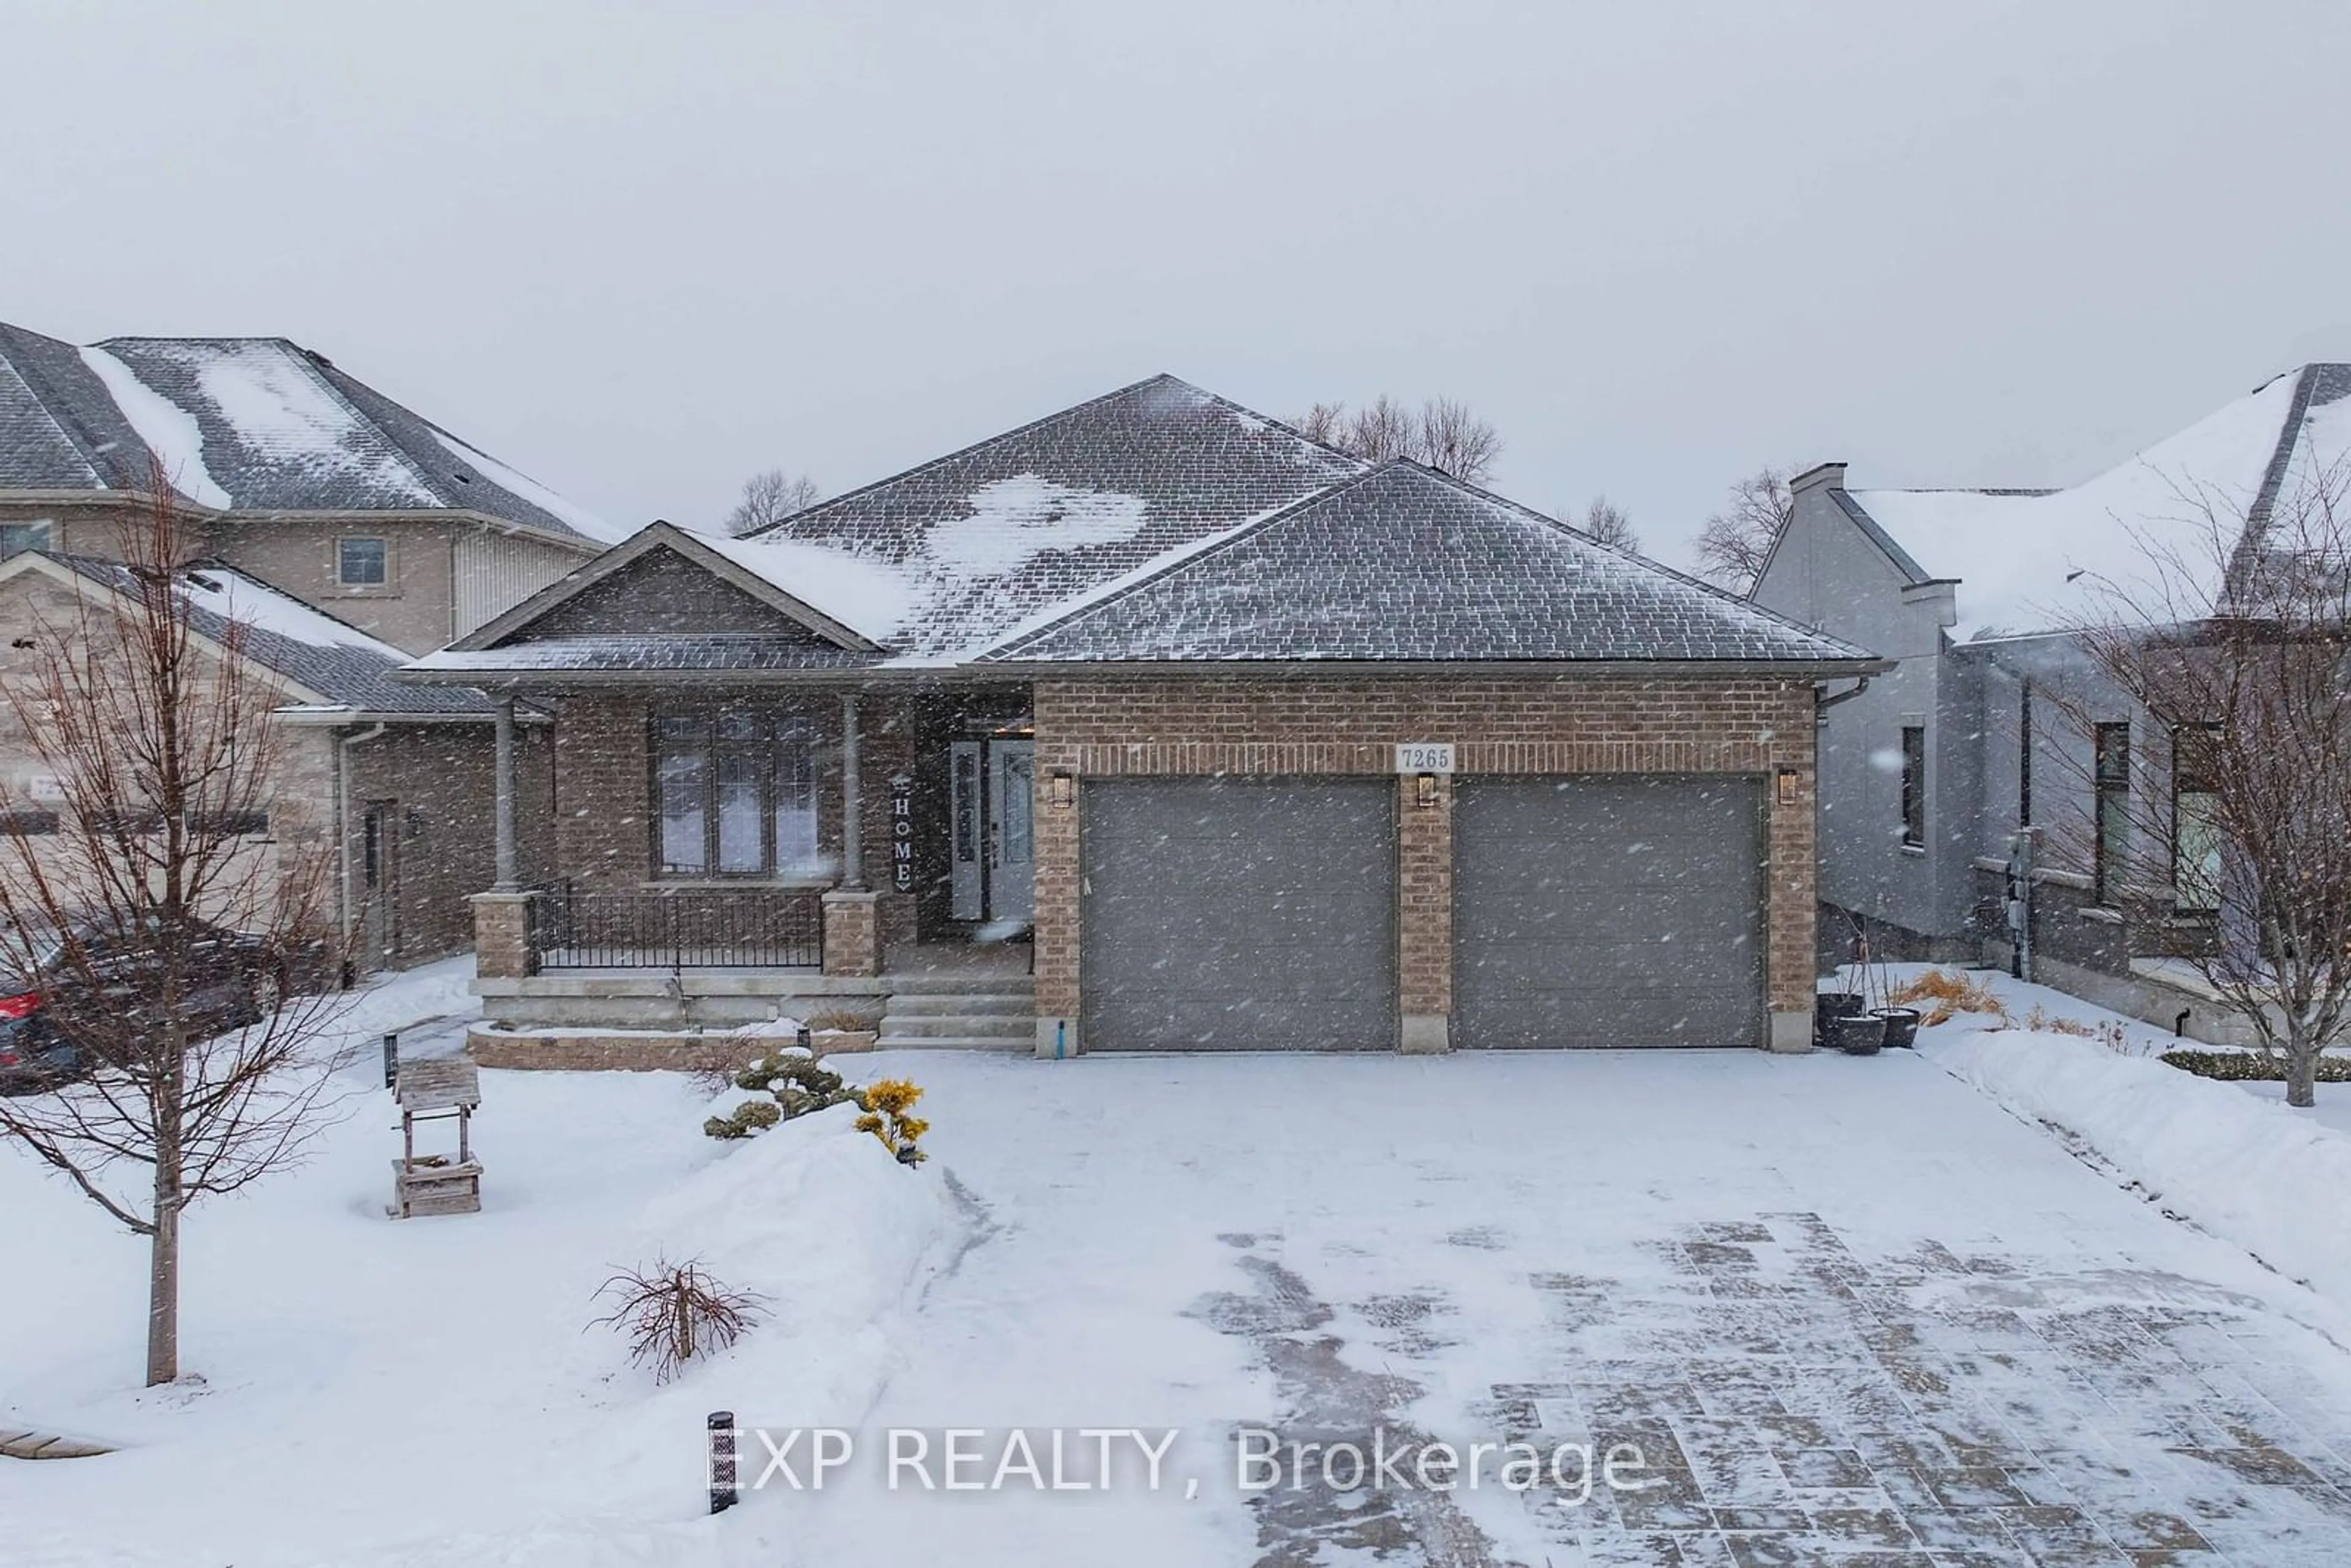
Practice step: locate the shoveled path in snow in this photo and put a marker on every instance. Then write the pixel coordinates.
(1850, 1311)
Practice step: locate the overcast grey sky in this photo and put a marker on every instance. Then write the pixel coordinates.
(640, 251)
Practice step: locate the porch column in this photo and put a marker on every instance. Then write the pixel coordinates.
(852, 827)
(508, 880)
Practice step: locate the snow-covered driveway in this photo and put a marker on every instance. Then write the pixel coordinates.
(1848, 1310)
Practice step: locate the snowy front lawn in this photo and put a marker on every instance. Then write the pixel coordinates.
(1841, 1305)
(372, 1392)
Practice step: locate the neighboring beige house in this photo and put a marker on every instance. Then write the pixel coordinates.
(353, 532)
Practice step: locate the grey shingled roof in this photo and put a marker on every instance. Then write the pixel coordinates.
(682, 652)
(1405, 564)
(304, 643)
(59, 430)
(992, 535)
(281, 429)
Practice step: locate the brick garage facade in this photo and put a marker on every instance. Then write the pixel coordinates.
(1540, 725)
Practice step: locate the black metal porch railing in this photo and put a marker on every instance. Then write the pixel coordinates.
(691, 928)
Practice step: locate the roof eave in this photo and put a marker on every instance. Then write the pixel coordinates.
(482, 679)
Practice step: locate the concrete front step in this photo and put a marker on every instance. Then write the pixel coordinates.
(953, 1042)
(961, 1004)
(919, 984)
(1003, 1026)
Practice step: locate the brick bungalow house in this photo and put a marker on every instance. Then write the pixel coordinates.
(358, 530)
(1266, 746)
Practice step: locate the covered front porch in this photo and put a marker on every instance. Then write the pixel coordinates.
(724, 855)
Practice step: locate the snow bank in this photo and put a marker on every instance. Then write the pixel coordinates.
(2255, 1173)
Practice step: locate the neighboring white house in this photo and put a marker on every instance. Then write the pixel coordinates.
(1924, 778)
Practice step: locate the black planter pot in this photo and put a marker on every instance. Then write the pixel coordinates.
(1857, 1034)
(1901, 1026)
(1827, 1005)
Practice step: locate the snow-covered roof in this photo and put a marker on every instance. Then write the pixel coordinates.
(984, 539)
(1157, 524)
(2035, 561)
(1405, 564)
(245, 424)
(307, 646)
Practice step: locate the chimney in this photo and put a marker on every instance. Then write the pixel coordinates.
(1819, 477)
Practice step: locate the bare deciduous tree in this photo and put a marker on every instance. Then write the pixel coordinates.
(1605, 521)
(160, 753)
(2237, 644)
(769, 498)
(1442, 433)
(1735, 541)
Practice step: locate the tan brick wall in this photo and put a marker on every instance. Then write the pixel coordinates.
(1535, 726)
(1424, 900)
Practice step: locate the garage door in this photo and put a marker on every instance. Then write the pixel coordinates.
(1238, 915)
(1616, 910)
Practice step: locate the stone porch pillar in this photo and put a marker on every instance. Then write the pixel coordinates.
(502, 949)
(509, 878)
(853, 934)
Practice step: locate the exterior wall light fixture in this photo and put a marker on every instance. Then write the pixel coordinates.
(1426, 787)
(1062, 790)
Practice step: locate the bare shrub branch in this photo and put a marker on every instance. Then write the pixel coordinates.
(673, 1313)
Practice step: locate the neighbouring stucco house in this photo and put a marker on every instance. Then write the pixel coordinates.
(1261, 745)
(1994, 719)
(304, 488)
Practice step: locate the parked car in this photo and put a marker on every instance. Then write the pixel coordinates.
(238, 978)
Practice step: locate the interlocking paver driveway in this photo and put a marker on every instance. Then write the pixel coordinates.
(1849, 1312)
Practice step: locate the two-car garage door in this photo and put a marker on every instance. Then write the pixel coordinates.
(1234, 915)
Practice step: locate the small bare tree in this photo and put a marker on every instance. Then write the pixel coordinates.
(1442, 433)
(769, 498)
(1605, 521)
(152, 932)
(1737, 540)
(2234, 648)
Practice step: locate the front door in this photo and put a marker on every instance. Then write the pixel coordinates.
(380, 881)
(1012, 829)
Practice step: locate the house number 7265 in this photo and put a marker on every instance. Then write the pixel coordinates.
(1424, 757)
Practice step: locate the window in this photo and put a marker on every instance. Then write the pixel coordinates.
(362, 563)
(1913, 786)
(2024, 757)
(16, 538)
(2112, 783)
(735, 794)
(27, 820)
(2194, 821)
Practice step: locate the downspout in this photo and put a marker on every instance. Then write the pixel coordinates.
(1828, 701)
(343, 898)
